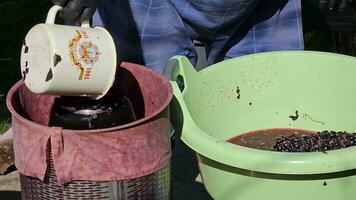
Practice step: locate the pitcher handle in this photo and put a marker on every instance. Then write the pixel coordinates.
(52, 13)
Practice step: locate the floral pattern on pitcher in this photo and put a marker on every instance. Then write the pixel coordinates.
(83, 54)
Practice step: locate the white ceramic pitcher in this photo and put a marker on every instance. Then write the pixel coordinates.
(68, 60)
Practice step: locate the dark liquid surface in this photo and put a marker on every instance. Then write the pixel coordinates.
(266, 138)
(84, 114)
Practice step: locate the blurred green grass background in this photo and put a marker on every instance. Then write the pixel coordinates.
(17, 17)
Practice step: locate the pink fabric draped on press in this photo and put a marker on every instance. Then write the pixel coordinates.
(128, 151)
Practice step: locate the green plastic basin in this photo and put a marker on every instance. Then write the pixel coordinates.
(320, 86)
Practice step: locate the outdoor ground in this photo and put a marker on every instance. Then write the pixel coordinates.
(17, 17)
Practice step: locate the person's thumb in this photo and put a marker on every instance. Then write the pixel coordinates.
(87, 14)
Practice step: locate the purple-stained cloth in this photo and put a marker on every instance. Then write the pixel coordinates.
(124, 152)
(149, 32)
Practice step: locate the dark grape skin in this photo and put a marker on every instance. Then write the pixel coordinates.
(321, 141)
